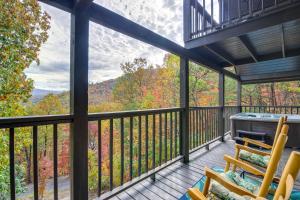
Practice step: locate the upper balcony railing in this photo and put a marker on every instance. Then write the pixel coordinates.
(207, 16)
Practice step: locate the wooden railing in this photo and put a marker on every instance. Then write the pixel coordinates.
(207, 16)
(272, 109)
(149, 140)
(204, 126)
(129, 146)
(228, 111)
(31, 125)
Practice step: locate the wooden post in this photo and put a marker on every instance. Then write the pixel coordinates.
(221, 104)
(186, 20)
(239, 96)
(184, 103)
(79, 103)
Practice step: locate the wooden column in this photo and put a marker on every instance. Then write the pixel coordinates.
(239, 96)
(186, 20)
(184, 103)
(221, 104)
(79, 103)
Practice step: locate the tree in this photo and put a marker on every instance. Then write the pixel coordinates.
(23, 29)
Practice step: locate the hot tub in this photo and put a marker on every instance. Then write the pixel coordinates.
(267, 123)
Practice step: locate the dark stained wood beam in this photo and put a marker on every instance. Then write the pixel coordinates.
(184, 103)
(220, 53)
(66, 5)
(278, 16)
(276, 55)
(79, 103)
(248, 46)
(109, 19)
(82, 4)
(271, 77)
(282, 41)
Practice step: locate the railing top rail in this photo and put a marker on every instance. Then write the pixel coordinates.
(11, 122)
(273, 106)
(204, 107)
(109, 115)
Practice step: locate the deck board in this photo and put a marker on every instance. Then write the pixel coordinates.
(173, 182)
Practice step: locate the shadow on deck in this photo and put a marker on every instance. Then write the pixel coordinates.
(172, 182)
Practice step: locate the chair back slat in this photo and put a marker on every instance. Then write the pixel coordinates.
(274, 161)
(288, 177)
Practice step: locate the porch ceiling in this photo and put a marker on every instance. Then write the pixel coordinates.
(265, 55)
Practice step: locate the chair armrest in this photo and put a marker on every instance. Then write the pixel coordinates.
(257, 143)
(227, 184)
(195, 194)
(251, 150)
(243, 165)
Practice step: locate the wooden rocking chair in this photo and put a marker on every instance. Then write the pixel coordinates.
(234, 189)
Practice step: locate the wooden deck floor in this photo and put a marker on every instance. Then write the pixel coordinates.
(172, 182)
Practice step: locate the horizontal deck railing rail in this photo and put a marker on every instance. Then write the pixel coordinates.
(272, 109)
(131, 145)
(207, 16)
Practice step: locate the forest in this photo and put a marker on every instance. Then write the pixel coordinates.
(142, 86)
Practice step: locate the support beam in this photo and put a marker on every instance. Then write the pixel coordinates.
(220, 53)
(66, 5)
(109, 19)
(272, 18)
(282, 41)
(186, 20)
(184, 103)
(79, 103)
(248, 46)
(271, 77)
(261, 58)
(221, 104)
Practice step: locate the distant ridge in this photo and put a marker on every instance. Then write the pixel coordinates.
(39, 94)
(98, 93)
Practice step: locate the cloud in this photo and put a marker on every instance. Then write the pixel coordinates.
(107, 48)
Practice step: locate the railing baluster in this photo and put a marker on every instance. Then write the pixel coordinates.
(153, 142)
(111, 168)
(202, 127)
(190, 129)
(176, 132)
(203, 18)
(160, 138)
(166, 129)
(171, 135)
(12, 163)
(147, 142)
(35, 163)
(55, 172)
(131, 147)
(99, 159)
(140, 145)
(122, 150)
(212, 13)
(197, 125)
(194, 129)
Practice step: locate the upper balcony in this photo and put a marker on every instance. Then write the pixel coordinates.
(209, 21)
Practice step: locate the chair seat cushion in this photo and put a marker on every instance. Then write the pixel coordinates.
(217, 191)
(259, 160)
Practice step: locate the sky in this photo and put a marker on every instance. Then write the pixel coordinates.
(107, 48)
